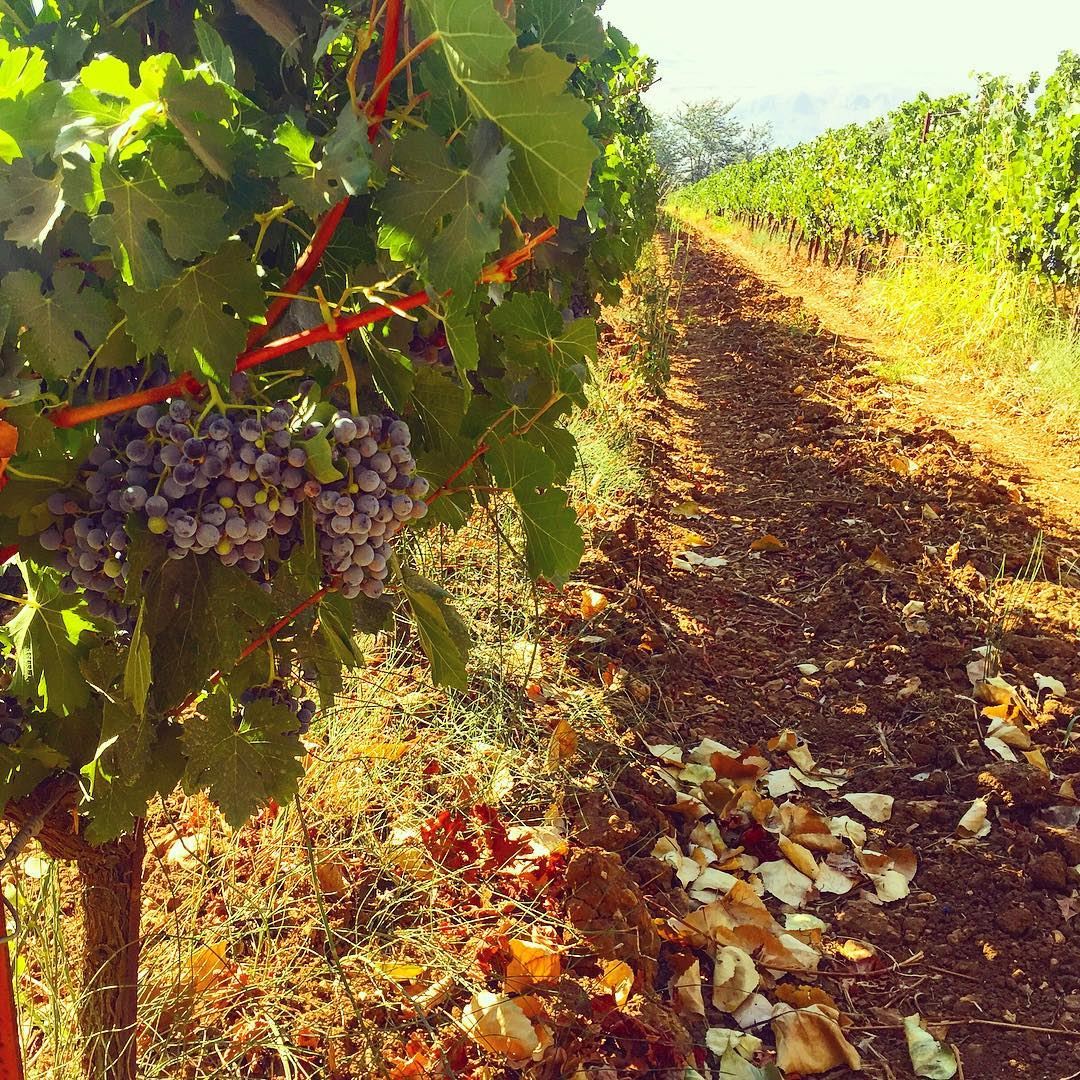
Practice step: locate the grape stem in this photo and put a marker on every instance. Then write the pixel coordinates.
(385, 72)
(306, 265)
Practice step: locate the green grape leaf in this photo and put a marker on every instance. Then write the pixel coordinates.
(47, 633)
(29, 116)
(320, 457)
(441, 216)
(541, 339)
(343, 169)
(105, 104)
(29, 203)
(440, 406)
(199, 617)
(192, 319)
(118, 803)
(137, 667)
(567, 29)
(553, 540)
(472, 33)
(244, 764)
(51, 321)
(201, 111)
(150, 227)
(460, 327)
(553, 154)
(126, 736)
(49, 463)
(218, 56)
(391, 371)
(443, 633)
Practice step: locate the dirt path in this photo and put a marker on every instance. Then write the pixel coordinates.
(772, 430)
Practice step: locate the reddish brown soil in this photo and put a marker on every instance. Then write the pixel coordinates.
(773, 430)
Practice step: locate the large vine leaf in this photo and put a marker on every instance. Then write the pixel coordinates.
(443, 632)
(553, 154)
(118, 802)
(201, 109)
(28, 105)
(149, 226)
(473, 35)
(199, 617)
(243, 763)
(48, 634)
(439, 215)
(553, 540)
(193, 320)
(59, 327)
(29, 203)
(543, 339)
(566, 29)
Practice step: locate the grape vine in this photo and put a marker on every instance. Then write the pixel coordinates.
(990, 175)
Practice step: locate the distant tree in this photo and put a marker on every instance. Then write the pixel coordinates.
(702, 137)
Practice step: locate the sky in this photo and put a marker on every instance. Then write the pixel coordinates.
(806, 66)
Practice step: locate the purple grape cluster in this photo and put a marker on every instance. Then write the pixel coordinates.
(234, 485)
(278, 693)
(432, 348)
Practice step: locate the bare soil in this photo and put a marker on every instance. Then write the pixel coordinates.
(772, 429)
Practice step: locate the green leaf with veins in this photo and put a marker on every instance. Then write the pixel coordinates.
(43, 632)
(553, 154)
(540, 337)
(472, 33)
(137, 666)
(149, 227)
(343, 169)
(459, 323)
(201, 111)
(441, 216)
(104, 99)
(29, 203)
(117, 804)
(566, 29)
(218, 56)
(193, 319)
(244, 765)
(553, 540)
(443, 633)
(52, 320)
(199, 617)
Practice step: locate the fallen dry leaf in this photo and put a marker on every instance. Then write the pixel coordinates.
(531, 964)
(974, 822)
(618, 977)
(592, 603)
(787, 884)
(686, 509)
(331, 875)
(810, 1040)
(735, 978)
(187, 852)
(768, 542)
(207, 966)
(686, 990)
(374, 750)
(498, 1024)
(878, 560)
(876, 807)
(562, 746)
(928, 1057)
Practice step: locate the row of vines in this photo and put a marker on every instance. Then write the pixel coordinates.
(282, 285)
(990, 175)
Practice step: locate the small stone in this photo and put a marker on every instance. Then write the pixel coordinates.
(1016, 785)
(1049, 872)
(1015, 921)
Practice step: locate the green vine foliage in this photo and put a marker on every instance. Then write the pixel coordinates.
(989, 175)
(164, 166)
